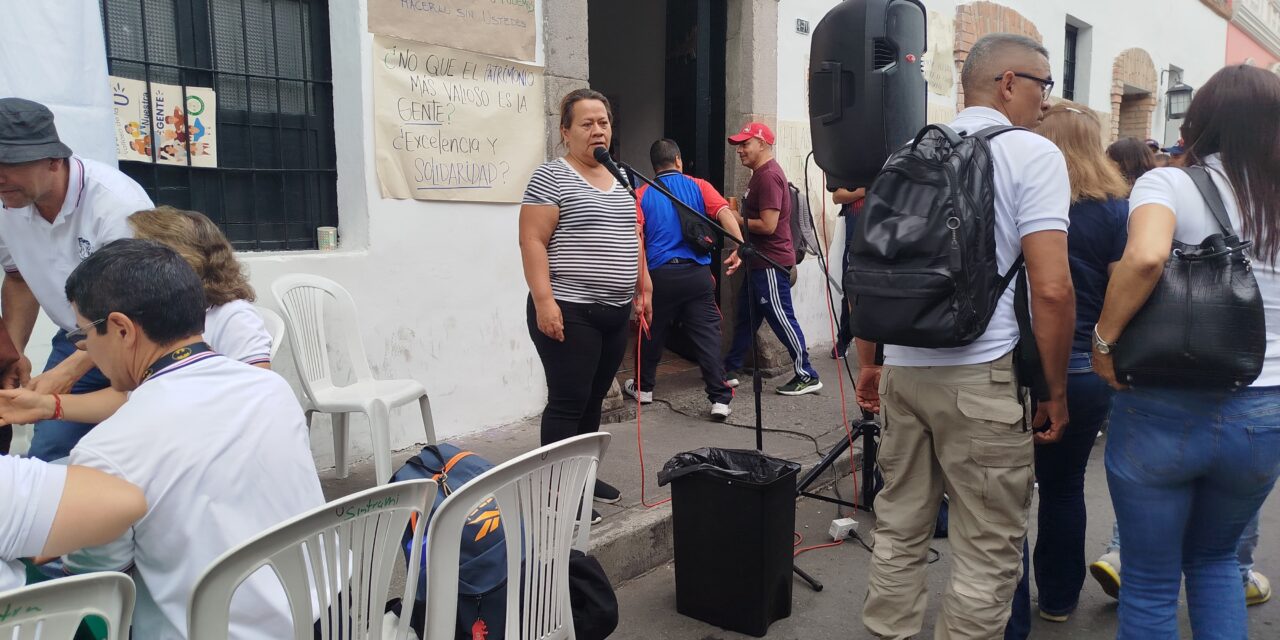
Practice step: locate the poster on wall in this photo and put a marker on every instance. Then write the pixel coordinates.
(503, 28)
(184, 127)
(454, 125)
(132, 119)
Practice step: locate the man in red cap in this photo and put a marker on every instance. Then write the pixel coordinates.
(766, 215)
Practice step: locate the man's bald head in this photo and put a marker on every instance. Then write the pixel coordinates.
(993, 55)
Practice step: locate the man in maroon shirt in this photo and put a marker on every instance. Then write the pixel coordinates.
(766, 216)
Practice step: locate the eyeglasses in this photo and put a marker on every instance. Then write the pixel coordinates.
(78, 335)
(1046, 85)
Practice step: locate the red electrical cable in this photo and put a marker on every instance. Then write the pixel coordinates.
(831, 321)
(799, 538)
(642, 329)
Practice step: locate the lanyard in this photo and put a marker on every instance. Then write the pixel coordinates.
(174, 357)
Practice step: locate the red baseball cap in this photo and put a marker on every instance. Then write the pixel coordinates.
(753, 130)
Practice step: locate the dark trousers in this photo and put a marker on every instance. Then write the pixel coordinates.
(579, 370)
(1058, 559)
(685, 293)
(772, 290)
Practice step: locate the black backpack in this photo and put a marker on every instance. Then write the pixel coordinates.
(922, 264)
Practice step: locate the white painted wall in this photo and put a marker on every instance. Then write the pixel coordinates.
(439, 285)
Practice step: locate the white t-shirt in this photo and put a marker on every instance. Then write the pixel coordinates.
(220, 449)
(1173, 188)
(1033, 194)
(31, 491)
(236, 330)
(96, 211)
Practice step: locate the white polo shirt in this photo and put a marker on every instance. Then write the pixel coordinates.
(1033, 194)
(220, 449)
(29, 500)
(237, 331)
(96, 210)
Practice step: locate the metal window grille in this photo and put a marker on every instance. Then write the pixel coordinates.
(268, 61)
(1069, 64)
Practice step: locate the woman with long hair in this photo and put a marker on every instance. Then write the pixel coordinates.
(1098, 215)
(231, 326)
(1133, 156)
(579, 240)
(1188, 468)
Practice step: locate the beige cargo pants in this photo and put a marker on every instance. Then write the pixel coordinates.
(958, 429)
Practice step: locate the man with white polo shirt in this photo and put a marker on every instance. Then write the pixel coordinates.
(58, 209)
(219, 447)
(954, 418)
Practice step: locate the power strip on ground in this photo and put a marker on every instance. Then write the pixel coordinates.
(841, 527)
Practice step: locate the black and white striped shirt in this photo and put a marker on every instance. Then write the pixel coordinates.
(594, 253)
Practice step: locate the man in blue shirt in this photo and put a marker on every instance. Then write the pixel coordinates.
(683, 287)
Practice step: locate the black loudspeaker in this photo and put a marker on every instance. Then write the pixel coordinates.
(867, 91)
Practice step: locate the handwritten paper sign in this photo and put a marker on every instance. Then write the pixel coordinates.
(505, 28)
(454, 125)
(184, 129)
(133, 119)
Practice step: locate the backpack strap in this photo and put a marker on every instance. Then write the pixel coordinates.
(1027, 358)
(991, 132)
(1212, 198)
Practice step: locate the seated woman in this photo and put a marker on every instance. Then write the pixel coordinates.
(231, 326)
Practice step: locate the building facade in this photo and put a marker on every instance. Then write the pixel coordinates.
(439, 285)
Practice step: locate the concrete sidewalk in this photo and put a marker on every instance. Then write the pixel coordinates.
(634, 539)
(648, 604)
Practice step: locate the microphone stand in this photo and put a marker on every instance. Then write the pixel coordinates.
(867, 428)
(746, 251)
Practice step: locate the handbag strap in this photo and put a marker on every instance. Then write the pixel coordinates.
(1209, 191)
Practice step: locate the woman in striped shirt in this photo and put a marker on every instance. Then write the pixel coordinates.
(579, 240)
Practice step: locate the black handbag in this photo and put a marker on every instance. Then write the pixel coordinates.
(1203, 326)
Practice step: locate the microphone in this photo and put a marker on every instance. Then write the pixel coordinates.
(602, 156)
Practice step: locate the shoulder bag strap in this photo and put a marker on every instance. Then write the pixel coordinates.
(1209, 191)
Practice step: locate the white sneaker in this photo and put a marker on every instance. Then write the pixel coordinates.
(732, 382)
(720, 410)
(629, 388)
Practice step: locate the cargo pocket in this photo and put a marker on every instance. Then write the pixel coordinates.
(1007, 479)
(1003, 462)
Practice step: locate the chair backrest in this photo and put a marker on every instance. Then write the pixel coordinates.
(53, 610)
(275, 327)
(336, 564)
(302, 298)
(542, 496)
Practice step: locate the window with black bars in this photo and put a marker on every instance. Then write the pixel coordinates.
(268, 63)
(1069, 64)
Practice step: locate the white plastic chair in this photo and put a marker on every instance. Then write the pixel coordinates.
(340, 558)
(53, 610)
(302, 297)
(275, 327)
(549, 489)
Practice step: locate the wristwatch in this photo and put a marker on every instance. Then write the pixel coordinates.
(1101, 345)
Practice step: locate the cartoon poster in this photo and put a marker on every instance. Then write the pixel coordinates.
(181, 129)
(132, 119)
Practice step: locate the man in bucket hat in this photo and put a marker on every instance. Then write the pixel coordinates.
(58, 209)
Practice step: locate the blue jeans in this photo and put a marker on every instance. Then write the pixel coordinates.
(54, 439)
(1244, 550)
(1058, 558)
(1187, 471)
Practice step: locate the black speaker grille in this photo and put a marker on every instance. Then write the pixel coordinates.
(884, 54)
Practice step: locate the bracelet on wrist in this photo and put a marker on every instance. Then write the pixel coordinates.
(57, 407)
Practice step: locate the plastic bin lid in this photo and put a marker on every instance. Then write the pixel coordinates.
(745, 465)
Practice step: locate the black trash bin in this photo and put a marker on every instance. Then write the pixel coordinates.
(734, 519)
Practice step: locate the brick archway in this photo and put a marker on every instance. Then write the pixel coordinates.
(978, 19)
(1134, 83)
